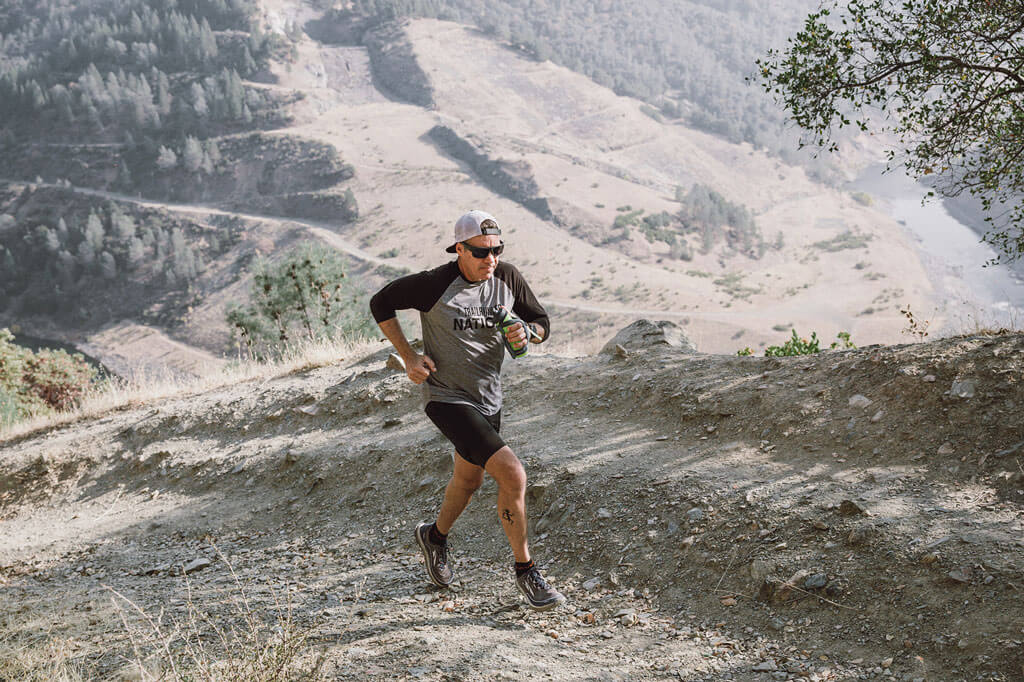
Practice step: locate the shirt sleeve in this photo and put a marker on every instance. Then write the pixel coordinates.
(419, 291)
(526, 307)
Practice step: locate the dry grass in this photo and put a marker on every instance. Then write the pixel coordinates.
(146, 388)
(231, 644)
(242, 633)
(45, 661)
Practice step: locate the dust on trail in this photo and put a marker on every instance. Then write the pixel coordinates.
(852, 515)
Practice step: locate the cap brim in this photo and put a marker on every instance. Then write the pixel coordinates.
(451, 249)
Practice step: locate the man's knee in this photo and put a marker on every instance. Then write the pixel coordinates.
(507, 470)
(470, 481)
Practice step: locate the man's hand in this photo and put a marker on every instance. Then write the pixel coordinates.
(419, 367)
(516, 335)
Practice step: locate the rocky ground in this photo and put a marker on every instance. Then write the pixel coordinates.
(851, 515)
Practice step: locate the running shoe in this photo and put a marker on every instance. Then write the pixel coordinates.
(537, 591)
(435, 556)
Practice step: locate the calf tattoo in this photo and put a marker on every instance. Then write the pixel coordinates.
(507, 515)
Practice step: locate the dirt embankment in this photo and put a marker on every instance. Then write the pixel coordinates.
(512, 179)
(395, 68)
(850, 515)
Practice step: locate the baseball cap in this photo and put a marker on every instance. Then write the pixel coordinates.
(474, 224)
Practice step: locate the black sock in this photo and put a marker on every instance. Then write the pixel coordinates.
(435, 535)
(523, 566)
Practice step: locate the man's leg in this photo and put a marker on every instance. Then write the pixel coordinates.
(466, 478)
(508, 472)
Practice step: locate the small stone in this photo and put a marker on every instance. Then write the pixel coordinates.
(820, 525)
(765, 667)
(728, 601)
(621, 351)
(696, 514)
(929, 558)
(877, 417)
(851, 508)
(603, 513)
(607, 634)
(962, 644)
(394, 362)
(448, 606)
(860, 401)
(196, 565)
(364, 612)
(588, 618)
(687, 542)
(859, 535)
(928, 378)
(963, 388)
(389, 423)
(592, 584)
(945, 449)
(238, 468)
(887, 662)
(624, 613)
(816, 581)
(961, 576)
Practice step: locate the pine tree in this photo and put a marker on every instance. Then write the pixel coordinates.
(192, 156)
(108, 266)
(136, 253)
(94, 233)
(166, 159)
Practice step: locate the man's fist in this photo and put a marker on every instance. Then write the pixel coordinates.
(516, 335)
(419, 367)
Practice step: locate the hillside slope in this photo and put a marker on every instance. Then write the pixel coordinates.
(851, 515)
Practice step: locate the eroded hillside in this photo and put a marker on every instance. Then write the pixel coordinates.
(850, 515)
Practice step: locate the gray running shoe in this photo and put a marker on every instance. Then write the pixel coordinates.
(537, 591)
(435, 556)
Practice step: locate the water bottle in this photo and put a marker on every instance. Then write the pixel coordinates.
(503, 319)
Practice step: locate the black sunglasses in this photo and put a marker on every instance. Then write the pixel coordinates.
(483, 251)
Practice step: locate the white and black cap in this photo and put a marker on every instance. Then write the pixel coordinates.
(473, 224)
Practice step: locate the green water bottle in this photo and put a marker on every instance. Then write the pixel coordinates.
(503, 319)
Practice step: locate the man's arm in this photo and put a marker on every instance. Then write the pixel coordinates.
(417, 367)
(526, 307)
(419, 291)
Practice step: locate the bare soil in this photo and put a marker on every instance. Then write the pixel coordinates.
(850, 515)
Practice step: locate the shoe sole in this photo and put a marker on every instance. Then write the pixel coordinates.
(426, 557)
(543, 607)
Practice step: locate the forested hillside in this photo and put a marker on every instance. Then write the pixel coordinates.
(155, 99)
(690, 57)
(132, 72)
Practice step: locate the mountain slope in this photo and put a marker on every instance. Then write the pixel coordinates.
(752, 514)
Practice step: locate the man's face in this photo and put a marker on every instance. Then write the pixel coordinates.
(478, 269)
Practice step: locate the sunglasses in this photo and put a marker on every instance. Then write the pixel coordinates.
(483, 251)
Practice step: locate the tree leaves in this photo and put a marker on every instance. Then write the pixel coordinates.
(945, 78)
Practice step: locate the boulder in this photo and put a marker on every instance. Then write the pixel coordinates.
(644, 334)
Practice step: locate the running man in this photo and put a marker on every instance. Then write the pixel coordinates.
(460, 374)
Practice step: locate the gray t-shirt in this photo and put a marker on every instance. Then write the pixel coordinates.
(459, 333)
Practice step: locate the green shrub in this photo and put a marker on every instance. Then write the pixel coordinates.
(39, 383)
(798, 346)
(795, 346)
(304, 297)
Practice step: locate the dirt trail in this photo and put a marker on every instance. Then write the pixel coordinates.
(854, 515)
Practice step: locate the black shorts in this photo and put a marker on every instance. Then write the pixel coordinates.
(473, 433)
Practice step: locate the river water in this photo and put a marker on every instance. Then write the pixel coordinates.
(971, 295)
